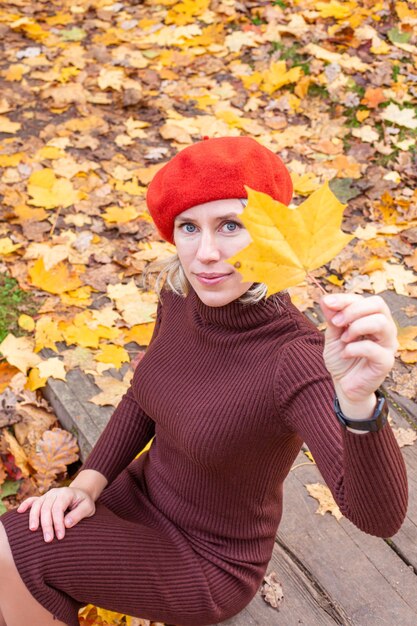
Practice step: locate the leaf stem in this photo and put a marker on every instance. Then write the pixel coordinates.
(316, 282)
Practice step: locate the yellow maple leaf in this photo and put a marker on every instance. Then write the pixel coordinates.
(49, 192)
(52, 368)
(120, 215)
(112, 78)
(79, 297)
(185, 12)
(140, 333)
(11, 160)
(18, 351)
(34, 380)
(115, 355)
(288, 243)
(304, 184)
(58, 279)
(7, 246)
(406, 337)
(336, 9)
(15, 72)
(47, 333)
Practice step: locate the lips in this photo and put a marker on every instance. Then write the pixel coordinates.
(210, 276)
(212, 279)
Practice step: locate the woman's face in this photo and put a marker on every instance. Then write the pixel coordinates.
(205, 236)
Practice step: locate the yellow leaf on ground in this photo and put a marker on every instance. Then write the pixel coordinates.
(49, 192)
(52, 368)
(406, 336)
(404, 436)
(141, 334)
(112, 391)
(18, 452)
(304, 184)
(288, 243)
(120, 215)
(7, 246)
(26, 322)
(18, 351)
(47, 334)
(34, 380)
(57, 280)
(326, 501)
(114, 355)
(7, 126)
(11, 160)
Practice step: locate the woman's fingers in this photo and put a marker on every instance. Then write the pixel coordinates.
(376, 326)
(85, 508)
(46, 516)
(61, 504)
(49, 511)
(26, 504)
(34, 514)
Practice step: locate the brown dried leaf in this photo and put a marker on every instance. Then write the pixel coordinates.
(271, 590)
(325, 499)
(54, 452)
(34, 421)
(405, 436)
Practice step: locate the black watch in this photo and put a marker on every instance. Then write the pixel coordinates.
(374, 423)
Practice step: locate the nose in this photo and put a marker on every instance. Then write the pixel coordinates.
(208, 249)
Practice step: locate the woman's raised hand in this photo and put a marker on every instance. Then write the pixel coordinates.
(360, 343)
(57, 510)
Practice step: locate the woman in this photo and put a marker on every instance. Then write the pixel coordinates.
(231, 385)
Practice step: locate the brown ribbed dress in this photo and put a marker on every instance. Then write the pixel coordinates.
(184, 533)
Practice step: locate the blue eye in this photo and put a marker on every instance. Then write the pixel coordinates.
(189, 228)
(231, 227)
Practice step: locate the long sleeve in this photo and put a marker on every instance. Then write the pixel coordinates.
(127, 432)
(365, 473)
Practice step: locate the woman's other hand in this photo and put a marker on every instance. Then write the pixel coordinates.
(57, 510)
(360, 343)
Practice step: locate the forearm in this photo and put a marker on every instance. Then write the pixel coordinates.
(91, 482)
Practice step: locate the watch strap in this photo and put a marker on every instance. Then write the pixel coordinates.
(377, 421)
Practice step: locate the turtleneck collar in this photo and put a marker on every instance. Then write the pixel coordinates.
(236, 315)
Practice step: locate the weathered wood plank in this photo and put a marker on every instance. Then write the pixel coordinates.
(304, 602)
(68, 399)
(405, 541)
(360, 573)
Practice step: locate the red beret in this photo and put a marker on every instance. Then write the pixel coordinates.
(214, 169)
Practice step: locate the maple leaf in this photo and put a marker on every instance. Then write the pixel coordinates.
(288, 243)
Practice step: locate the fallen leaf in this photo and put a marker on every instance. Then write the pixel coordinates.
(55, 450)
(271, 590)
(325, 499)
(405, 436)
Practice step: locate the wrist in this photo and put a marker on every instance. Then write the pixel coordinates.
(91, 482)
(357, 410)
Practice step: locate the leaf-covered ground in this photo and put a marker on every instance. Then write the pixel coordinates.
(95, 95)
